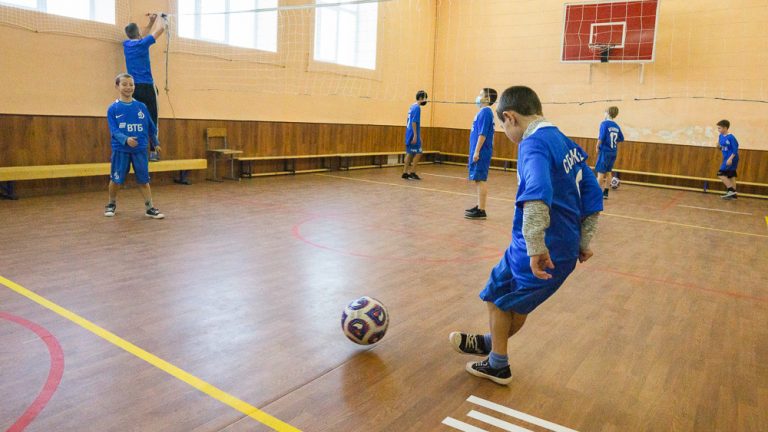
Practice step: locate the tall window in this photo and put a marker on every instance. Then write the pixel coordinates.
(346, 34)
(93, 10)
(231, 22)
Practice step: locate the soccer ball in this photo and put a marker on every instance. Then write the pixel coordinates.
(365, 321)
(615, 183)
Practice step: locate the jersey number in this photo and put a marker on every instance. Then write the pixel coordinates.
(579, 176)
(614, 138)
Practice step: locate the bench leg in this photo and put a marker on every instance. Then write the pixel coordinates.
(214, 178)
(183, 178)
(232, 170)
(7, 190)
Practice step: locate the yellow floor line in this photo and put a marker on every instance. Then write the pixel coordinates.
(512, 200)
(155, 361)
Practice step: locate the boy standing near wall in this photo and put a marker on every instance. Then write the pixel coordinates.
(730, 147)
(136, 51)
(413, 137)
(607, 147)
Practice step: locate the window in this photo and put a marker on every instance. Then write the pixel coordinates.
(93, 10)
(346, 34)
(231, 22)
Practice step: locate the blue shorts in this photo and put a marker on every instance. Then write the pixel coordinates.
(605, 161)
(513, 287)
(413, 148)
(121, 164)
(478, 171)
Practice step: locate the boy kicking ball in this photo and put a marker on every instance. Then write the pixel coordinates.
(557, 206)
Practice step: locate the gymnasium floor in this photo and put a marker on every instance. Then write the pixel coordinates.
(241, 287)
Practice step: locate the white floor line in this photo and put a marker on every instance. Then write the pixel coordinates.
(519, 415)
(717, 210)
(460, 425)
(493, 421)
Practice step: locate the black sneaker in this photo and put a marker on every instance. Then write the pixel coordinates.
(405, 176)
(110, 210)
(154, 213)
(472, 210)
(477, 214)
(414, 176)
(605, 193)
(468, 343)
(483, 369)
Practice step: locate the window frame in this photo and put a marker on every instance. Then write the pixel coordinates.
(356, 52)
(227, 28)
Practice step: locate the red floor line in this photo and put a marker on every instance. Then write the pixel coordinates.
(685, 285)
(54, 375)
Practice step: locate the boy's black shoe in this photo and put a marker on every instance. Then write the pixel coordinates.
(414, 176)
(154, 213)
(468, 343)
(476, 214)
(475, 208)
(605, 193)
(405, 176)
(483, 369)
(110, 210)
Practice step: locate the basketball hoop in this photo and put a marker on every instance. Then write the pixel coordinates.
(601, 50)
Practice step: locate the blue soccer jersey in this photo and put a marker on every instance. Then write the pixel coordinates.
(414, 116)
(128, 120)
(137, 59)
(610, 136)
(729, 146)
(553, 169)
(482, 125)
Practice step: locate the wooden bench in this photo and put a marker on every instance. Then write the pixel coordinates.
(289, 164)
(9, 175)
(507, 161)
(376, 158)
(704, 188)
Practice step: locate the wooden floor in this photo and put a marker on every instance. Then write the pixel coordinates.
(242, 286)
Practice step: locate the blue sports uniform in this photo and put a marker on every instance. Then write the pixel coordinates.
(552, 169)
(414, 116)
(482, 125)
(729, 146)
(609, 137)
(137, 59)
(130, 120)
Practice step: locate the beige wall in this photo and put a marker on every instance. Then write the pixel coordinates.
(51, 73)
(704, 48)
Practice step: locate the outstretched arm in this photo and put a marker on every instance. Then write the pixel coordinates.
(148, 29)
(158, 27)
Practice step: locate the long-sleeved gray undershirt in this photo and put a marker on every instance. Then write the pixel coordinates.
(536, 221)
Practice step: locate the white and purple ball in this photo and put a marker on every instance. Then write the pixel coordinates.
(365, 321)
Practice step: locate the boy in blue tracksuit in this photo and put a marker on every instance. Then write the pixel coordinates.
(481, 150)
(557, 206)
(730, 147)
(132, 129)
